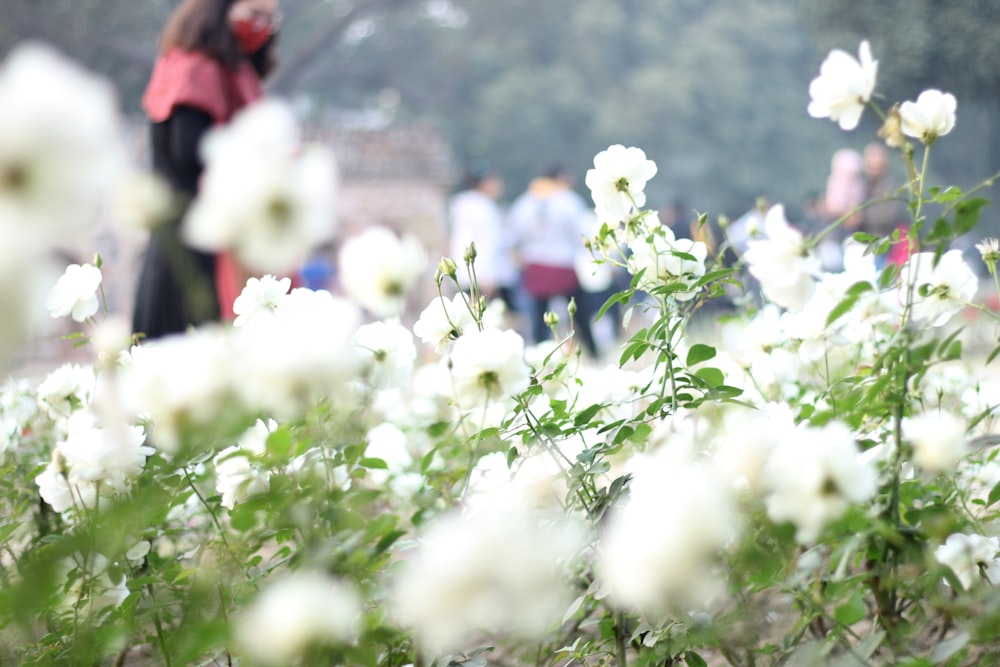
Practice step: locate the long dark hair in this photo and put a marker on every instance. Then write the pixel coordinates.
(202, 25)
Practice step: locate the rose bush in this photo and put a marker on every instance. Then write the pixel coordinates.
(817, 484)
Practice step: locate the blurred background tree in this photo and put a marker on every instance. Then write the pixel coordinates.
(715, 92)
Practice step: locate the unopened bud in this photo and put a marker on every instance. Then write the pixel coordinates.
(892, 130)
(470, 253)
(448, 267)
(571, 308)
(551, 320)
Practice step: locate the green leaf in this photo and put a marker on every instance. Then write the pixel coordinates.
(994, 495)
(585, 416)
(437, 429)
(620, 297)
(993, 354)
(699, 353)
(949, 194)
(864, 237)
(949, 647)
(279, 443)
(388, 540)
(841, 309)
(714, 275)
(713, 376)
(850, 612)
(888, 276)
(694, 660)
(967, 214)
(373, 463)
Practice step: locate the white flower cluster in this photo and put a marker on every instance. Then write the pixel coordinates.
(293, 350)
(496, 569)
(973, 558)
(263, 196)
(663, 259)
(293, 613)
(659, 547)
(17, 408)
(811, 477)
(61, 144)
(377, 268)
(780, 262)
(61, 155)
(90, 463)
(936, 290)
(237, 475)
(845, 85)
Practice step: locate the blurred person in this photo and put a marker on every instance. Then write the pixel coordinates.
(845, 192)
(845, 187)
(550, 220)
(883, 218)
(476, 218)
(213, 55)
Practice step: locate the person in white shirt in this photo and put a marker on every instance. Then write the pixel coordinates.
(550, 220)
(476, 218)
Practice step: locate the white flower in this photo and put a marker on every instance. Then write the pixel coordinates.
(91, 462)
(75, 293)
(657, 256)
(291, 614)
(488, 366)
(92, 583)
(25, 280)
(387, 352)
(971, 557)
(989, 250)
(781, 263)
(748, 440)
(259, 295)
(141, 200)
(305, 352)
(443, 321)
(657, 552)
(262, 196)
(184, 384)
(378, 268)
(237, 476)
(617, 182)
(930, 117)
(66, 389)
(938, 440)
(843, 87)
(61, 141)
(497, 569)
(937, 292)
(388, 443)
(812, 477)
(17, 407)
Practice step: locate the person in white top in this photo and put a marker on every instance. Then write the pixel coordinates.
(550, 220)
(476, 218)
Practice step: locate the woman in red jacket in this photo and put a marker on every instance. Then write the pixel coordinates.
(213, 55)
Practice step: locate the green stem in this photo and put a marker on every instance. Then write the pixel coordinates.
(621, 646)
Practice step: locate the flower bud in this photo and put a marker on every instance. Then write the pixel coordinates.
(448, 267)
(989, 249)
(470, 253)
(551, 320)
(892, 130)
(571, 308)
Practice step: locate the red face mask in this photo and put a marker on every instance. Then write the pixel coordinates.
(251, 33)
